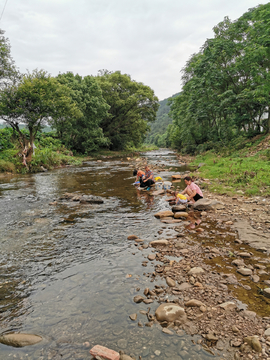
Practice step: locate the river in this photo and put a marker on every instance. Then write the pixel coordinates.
(68, 272)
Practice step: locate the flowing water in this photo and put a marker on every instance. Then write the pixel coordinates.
(68, 272)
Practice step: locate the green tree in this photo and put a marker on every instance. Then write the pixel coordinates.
(84, 134)
(37, 99)
(132, 106)
(8, 71)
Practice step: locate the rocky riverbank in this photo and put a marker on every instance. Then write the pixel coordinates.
(218, 288)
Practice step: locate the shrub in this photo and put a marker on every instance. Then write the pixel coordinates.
(7, 166)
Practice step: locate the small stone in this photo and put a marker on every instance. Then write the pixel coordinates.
(167, 331)
(161, 242)
(244, 254)
(157, 352)
(133, 317)
(132, 237)
(151, 257)
(170, 282)
(266, 292)
(138, 299)
(194, 303)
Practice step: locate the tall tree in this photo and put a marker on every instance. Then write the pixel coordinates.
(132, 106)
(84, 134)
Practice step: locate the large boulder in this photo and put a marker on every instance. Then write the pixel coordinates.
(207, 204)
(20, 339)
(180, 214)
(170, 312)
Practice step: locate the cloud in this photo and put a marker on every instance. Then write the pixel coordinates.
(149, 39)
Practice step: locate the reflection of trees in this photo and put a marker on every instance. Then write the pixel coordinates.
(13, 292)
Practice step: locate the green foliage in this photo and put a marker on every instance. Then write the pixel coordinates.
(7, 166)
(83, 134)
(6, 136)
(132, 106)
(8, 72)
(34, 101)
(226, 86)
(157, 134)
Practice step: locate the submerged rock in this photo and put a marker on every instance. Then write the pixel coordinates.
(20, 340)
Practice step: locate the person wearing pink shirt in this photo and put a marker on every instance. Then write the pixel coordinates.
(192, 190)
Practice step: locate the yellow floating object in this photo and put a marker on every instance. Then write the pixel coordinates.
(158, 178)
(181, 196)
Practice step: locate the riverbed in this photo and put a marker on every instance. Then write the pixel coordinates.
(68, 272)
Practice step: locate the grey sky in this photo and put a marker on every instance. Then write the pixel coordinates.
(149, 39)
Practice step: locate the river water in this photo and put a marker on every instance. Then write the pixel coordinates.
(68, 272)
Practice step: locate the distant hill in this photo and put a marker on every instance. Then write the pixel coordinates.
(159, 126)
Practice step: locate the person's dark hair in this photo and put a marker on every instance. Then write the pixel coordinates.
(135, 172)
(188, 178)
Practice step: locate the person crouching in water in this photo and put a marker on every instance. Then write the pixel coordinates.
(192, 190)
(139, 175)
(148, 179)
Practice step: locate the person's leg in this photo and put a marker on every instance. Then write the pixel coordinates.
(197, 197)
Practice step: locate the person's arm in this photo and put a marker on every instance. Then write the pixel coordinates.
(184, 192)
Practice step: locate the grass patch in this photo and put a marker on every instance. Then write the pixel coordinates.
(237, 172)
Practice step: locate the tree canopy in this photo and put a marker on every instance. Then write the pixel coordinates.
(8, 71)
(226, 86)
(132, 106)
(37, 99)
(83, 134)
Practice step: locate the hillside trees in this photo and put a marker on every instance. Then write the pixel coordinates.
(83, 134)
(226, 86)
(132, 106)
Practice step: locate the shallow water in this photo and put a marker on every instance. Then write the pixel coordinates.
(68, 272)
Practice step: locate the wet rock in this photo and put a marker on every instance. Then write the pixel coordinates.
(176, 177)
(248, 314)
(125, 357)
(229, 305)
(140, 324)
(20, 339)
(170, 312)
(138, 299)
(211, 337)
(133, 317)
(162, 214)
(254, 342)
(122, 343)
(196, 271)
(158, 192)
(267, 332)
(266, 292)
(194, 303)
(179, 208)
(104, 352)
(244, 271)
(161, 242)
(170, 282)
(167, 331)
(151, 257)
(148, 301)
(180, 214)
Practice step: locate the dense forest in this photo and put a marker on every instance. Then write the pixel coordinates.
(157, 134)
(226, 86)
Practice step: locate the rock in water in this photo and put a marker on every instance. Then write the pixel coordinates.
(161, 242)
(162, 214)
(170, 312)
(20, 340)
(170, 282)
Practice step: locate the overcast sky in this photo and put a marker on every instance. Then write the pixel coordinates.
(149, 39)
